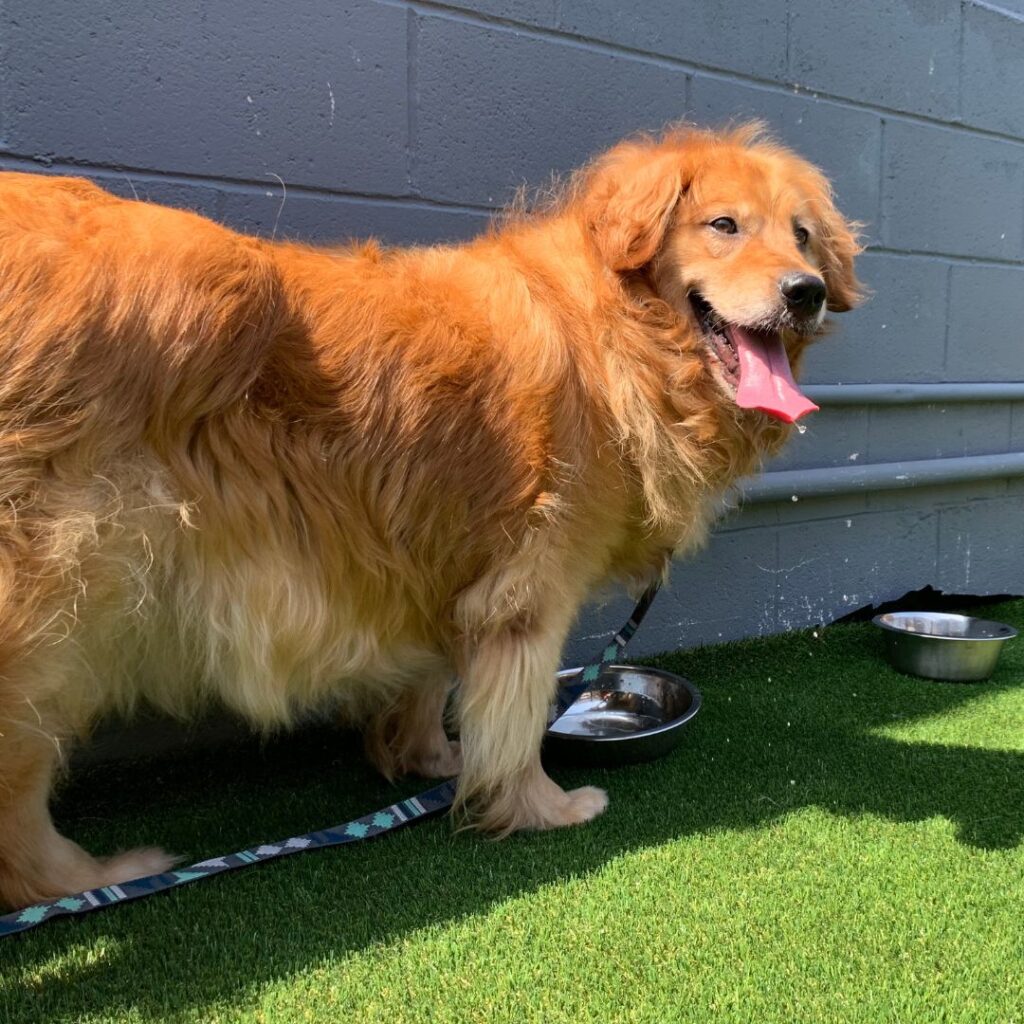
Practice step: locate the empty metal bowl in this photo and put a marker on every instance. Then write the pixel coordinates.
(940, 645)
(631, 714)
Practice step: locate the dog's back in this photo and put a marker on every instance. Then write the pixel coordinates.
(118, 309)
(262, 469)
(261, 474)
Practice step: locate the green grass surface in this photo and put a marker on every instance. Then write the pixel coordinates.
(832, 842)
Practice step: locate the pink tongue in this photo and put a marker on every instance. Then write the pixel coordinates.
(766, 381)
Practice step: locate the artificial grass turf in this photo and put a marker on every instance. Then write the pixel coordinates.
(832, 842)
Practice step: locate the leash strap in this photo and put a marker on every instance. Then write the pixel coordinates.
(612, 653)
(388, 819)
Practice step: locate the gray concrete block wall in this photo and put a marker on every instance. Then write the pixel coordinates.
(485, 91)
(897, 54)
(413, 120)
(993, 59)
(899, 334)
(951, 191)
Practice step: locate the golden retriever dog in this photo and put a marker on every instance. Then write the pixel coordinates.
(278, 477)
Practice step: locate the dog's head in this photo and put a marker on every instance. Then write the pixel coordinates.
(738, 235)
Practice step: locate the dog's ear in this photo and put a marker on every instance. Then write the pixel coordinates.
(839, 246)
(628, 203)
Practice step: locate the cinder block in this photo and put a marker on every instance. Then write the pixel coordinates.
(938, 431)
(844, 142)
(498, 109)
(197, 198)
(811, 509)
(929, 499)
(893, 53)
(786, 511)
(597, 624)
(993, 68)
(725, 592)
(946, 190)
(529, 12)
(732, 34)
(986, 312)
(736, 517)
(329, 220)
(978, 552)
(316, 94)
(834, 437)
(1017, 427)
(831, 567)
(898, 334)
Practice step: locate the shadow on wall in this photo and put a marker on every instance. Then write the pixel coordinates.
(927, 599)
(788, 723)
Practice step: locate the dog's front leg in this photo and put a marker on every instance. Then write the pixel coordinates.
(507, 686)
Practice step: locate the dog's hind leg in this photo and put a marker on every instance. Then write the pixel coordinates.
(408, 737)
(505, 694)
(36, 862)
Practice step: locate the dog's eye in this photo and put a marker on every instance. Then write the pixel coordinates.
(802, 235)
(724, 225)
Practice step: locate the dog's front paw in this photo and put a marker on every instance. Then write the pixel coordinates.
(536, 803)
(583, 804)
(123, 867)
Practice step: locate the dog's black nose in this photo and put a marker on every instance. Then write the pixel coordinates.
(804, 293)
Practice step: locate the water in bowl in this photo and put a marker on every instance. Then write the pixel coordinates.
(610, 713)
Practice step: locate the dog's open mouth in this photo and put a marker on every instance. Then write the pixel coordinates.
(751, 363)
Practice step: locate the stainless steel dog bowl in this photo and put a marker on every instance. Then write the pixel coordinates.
(938, 645)
(632, 714)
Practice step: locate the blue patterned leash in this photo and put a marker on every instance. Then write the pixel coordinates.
(388, 819)
(405, 812)
(612, 653)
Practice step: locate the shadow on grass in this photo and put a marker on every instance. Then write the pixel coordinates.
(759, 750)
